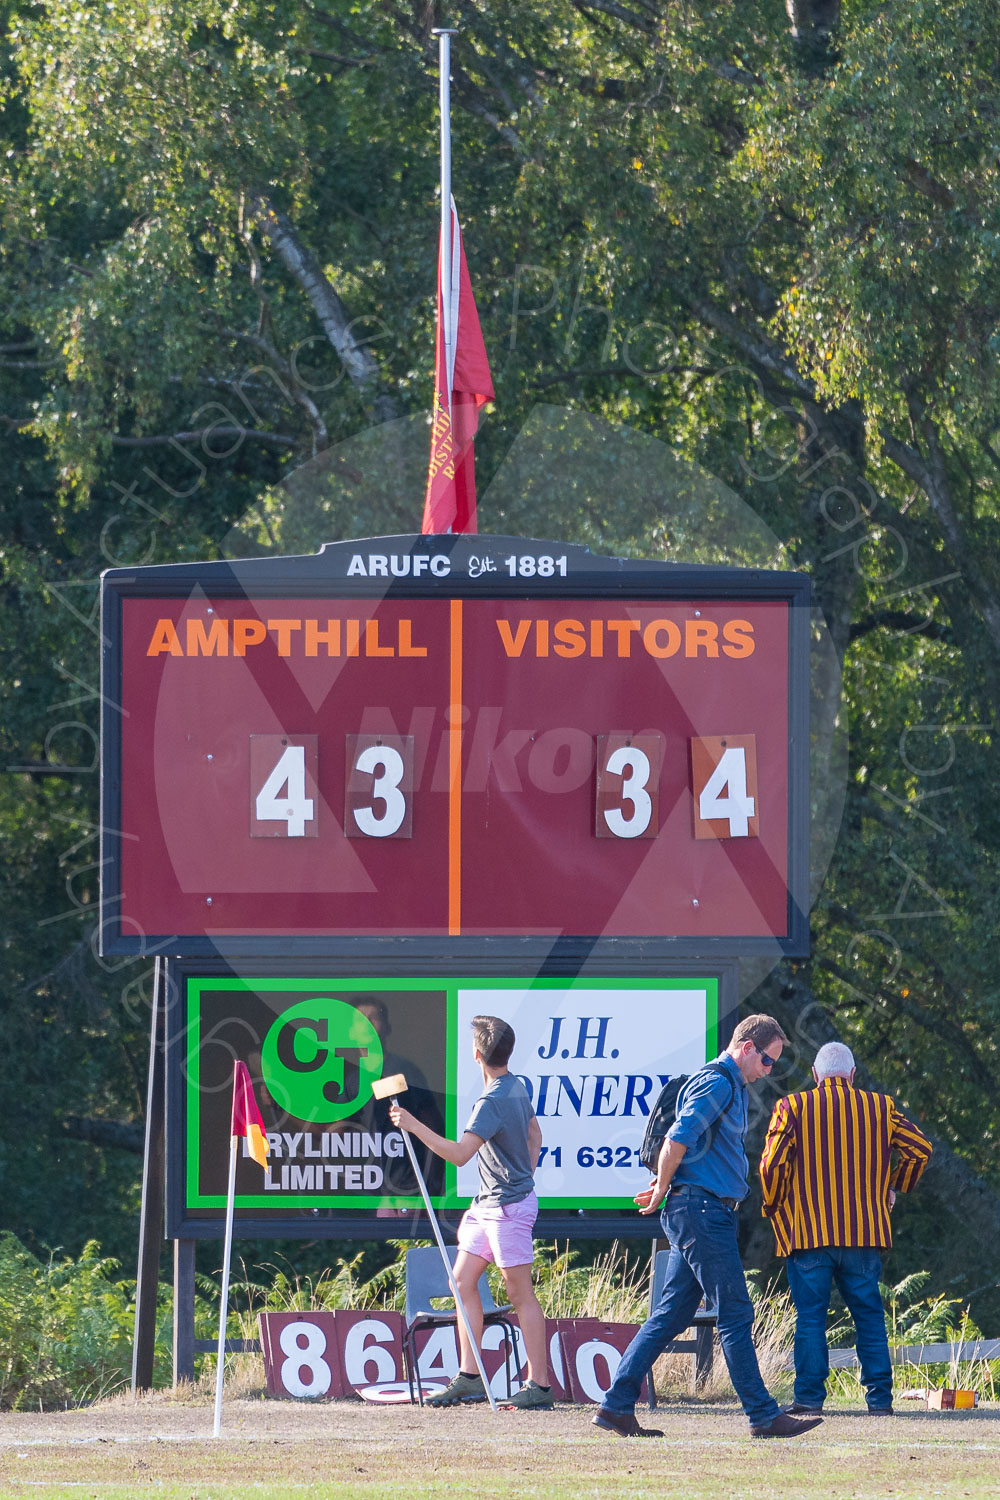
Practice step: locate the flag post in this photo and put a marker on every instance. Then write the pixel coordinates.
(224, 1302)
(444, 37)
(246, 1122)
(462, 381)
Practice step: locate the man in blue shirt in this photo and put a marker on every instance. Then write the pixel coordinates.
(702, 1172)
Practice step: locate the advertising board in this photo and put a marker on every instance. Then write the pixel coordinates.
(593, 1054)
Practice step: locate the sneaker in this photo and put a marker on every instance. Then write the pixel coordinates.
(785, 1426)
(462, 1388)
(623, 1423)
(531, 1397)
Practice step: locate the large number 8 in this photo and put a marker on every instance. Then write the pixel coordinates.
(389, 761)
(633, 764)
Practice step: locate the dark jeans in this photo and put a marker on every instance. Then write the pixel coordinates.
(704, 1258)
(856, 1272)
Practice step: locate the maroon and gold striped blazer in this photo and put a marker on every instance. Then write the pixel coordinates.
(826, 1170)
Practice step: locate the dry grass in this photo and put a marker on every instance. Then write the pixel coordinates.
(275, 1450)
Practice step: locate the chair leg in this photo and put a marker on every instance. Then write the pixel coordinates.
(704, 1355)
(412, 1367)
(511, 1361)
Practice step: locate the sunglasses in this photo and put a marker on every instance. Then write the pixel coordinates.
(767, 1062)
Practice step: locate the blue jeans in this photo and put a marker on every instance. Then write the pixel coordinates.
(704, 1258)
(856, 1272)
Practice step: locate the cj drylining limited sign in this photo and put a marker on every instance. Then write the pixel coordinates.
(592, 1054)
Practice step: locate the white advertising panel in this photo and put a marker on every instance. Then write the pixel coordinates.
(593, 1057)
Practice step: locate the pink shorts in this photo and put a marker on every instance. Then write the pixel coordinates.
(500, 1233)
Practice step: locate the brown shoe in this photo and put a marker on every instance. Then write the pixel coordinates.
(623, 1423)
(798, 1410)
(785, 1426)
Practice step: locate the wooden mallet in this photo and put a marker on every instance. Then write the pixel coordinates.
(390, 1088)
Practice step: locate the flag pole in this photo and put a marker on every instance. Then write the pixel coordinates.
(444, 36)
(226, 1258)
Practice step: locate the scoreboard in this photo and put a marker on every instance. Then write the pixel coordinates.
(483, 748)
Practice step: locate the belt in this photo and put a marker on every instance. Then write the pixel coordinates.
(731, 1203)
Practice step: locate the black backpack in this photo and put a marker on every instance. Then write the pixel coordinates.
(664, 1113)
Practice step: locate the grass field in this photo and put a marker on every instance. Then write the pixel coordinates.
(271, 1450)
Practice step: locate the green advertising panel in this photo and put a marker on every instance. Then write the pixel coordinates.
(593, 1054)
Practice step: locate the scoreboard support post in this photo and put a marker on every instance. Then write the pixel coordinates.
(151, 1212)
(183, 1310)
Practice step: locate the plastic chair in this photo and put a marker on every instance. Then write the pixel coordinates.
(703, 1323)
(425, 1281)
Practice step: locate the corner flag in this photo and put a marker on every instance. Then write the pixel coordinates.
(246, 1118)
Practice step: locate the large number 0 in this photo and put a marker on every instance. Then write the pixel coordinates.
(290, 806)
(738, 807)
(633, 764)
(386, 765)
(304, 1357)
(588, 1377)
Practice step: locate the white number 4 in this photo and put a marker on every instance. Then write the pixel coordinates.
(738, 807)
(282, 798)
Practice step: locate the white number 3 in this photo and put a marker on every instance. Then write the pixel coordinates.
(386, 787)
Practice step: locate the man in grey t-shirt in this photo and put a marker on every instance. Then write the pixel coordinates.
(497, 1226)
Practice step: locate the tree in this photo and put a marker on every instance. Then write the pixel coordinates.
(722, 226)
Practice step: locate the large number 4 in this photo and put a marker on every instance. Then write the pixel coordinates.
(724, 782)
(282, 776)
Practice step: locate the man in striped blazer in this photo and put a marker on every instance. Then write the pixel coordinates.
(830, 1182)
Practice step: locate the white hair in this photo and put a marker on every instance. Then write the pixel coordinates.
(833, 1060)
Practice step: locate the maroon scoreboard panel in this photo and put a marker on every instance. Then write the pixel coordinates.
(470, 745)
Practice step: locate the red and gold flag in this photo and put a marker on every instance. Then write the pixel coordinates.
(246, 1118)
(462, 386)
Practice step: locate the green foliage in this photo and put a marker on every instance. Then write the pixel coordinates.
(66, 1327)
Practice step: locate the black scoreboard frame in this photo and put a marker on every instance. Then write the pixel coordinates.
(473, 573)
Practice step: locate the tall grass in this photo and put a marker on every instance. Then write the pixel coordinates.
(66, 1324)
(912, 1320)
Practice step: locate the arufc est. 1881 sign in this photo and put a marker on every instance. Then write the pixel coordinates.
(470, 745)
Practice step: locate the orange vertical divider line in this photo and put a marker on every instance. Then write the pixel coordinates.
(455, 774)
